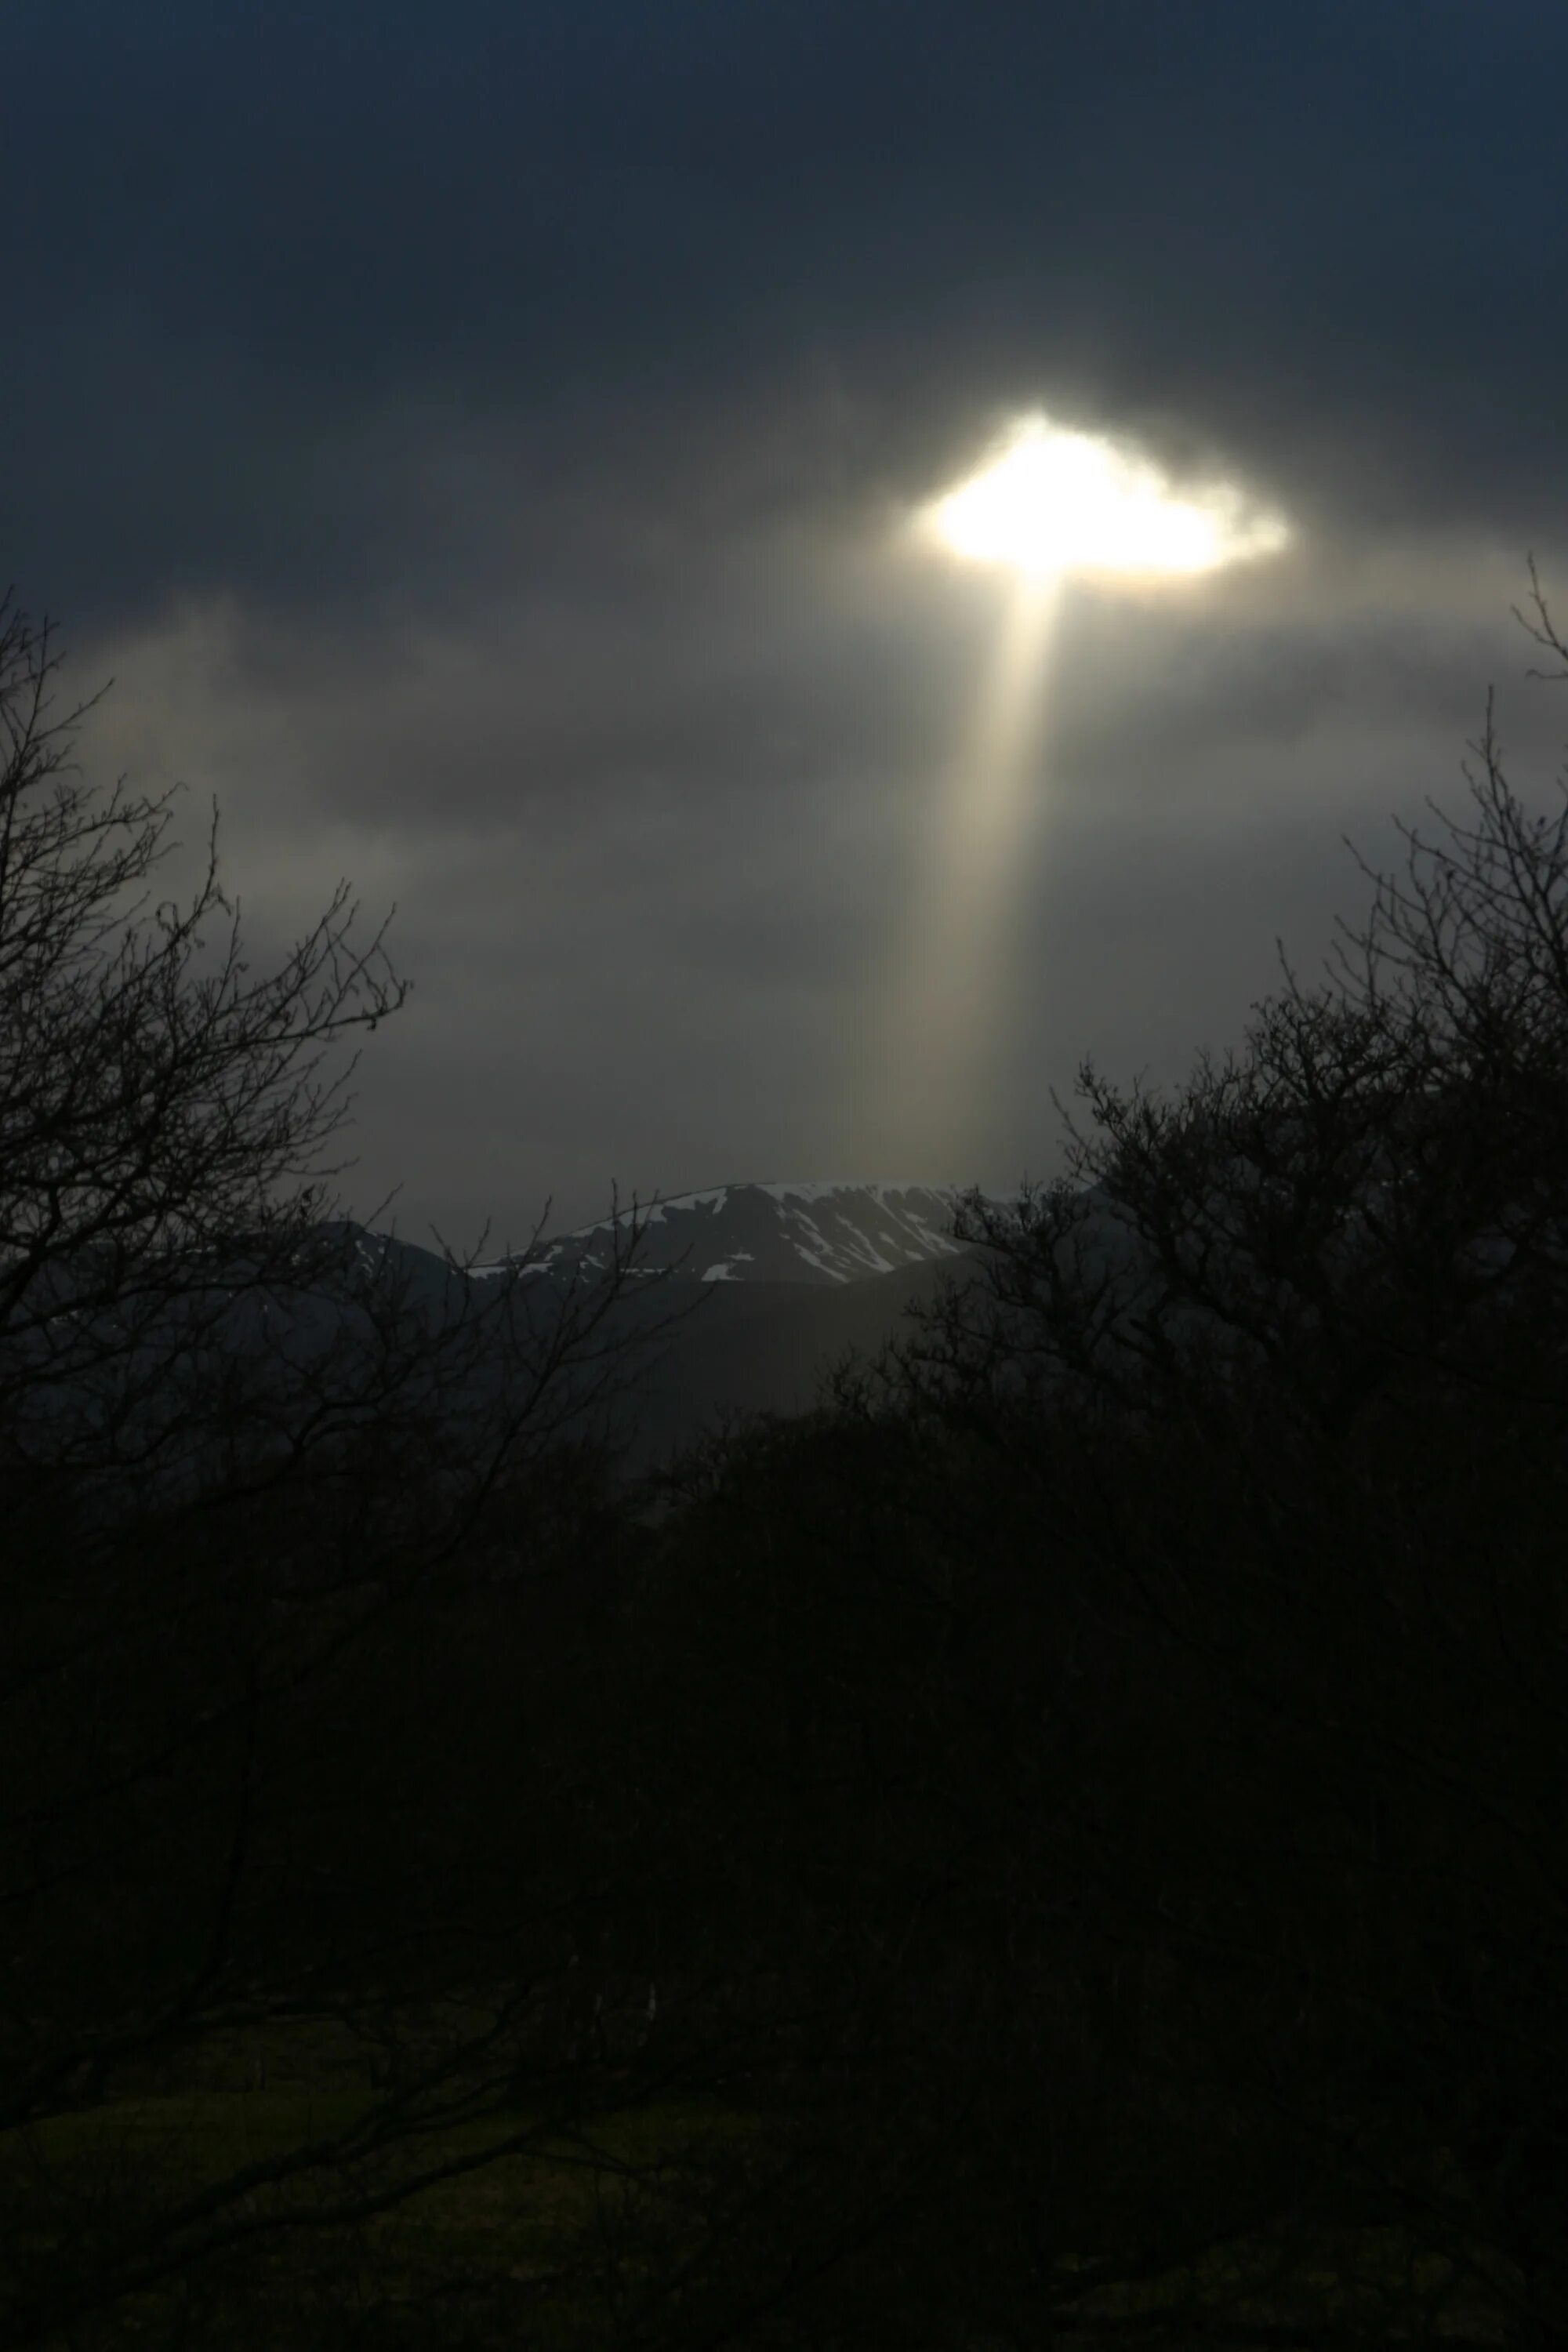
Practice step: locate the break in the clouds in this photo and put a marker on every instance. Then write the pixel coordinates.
(481, 447)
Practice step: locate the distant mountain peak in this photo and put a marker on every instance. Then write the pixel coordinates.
(817, 1231)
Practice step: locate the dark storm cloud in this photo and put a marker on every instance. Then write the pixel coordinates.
(477, 430)
(239, 239)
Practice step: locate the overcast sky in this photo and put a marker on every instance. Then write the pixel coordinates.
(478, 442)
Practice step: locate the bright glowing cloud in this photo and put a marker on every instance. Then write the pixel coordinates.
(1052, 501)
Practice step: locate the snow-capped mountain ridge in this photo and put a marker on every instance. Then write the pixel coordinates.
(818, 1231)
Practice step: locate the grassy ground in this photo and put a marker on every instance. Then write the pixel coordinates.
(539, 2234)
(545, 2246)
(1348, 2280)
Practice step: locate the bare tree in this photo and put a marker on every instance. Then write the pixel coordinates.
(274, 1493)
(1281, 1362)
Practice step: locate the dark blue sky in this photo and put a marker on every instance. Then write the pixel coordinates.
(471, 438)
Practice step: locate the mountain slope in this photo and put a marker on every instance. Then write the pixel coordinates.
(766, 1348)
(821, 1233)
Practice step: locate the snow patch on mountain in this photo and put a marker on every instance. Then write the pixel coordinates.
(819, 1232)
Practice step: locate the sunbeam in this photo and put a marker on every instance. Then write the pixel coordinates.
(1048, 504)
(939, 1026)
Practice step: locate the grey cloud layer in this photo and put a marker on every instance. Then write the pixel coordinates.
(477, 446)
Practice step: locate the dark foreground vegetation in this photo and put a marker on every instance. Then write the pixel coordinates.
(1065, 1843)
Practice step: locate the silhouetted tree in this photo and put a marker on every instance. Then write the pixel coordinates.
(1110, 1755)
(279, 1501)
(1282, 1361)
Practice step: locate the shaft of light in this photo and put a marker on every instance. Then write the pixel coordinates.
(939, 1025)
(1049, 503)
